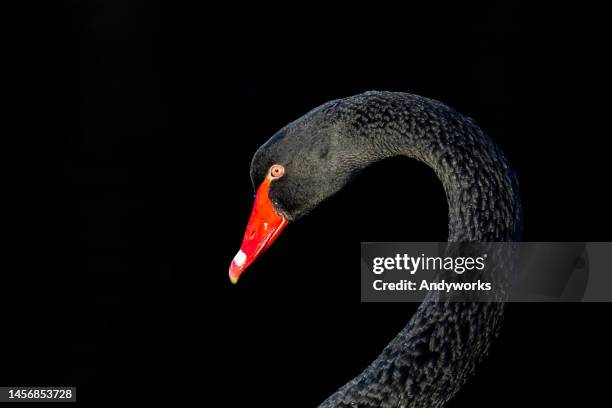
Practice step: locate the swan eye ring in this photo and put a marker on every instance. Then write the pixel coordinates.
(276, 171)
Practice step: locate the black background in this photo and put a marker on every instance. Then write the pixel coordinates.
(132, 194)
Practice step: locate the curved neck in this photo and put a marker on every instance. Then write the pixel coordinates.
(432, 357)
(481, 188)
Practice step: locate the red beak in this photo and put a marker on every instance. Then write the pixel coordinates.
(264, 226)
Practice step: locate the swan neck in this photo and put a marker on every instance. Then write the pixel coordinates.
(481, 188)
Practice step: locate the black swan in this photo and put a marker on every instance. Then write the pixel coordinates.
(312, 158)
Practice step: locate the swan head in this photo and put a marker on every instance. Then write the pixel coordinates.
(292, 173)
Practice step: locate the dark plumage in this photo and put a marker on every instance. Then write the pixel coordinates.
(433, 356)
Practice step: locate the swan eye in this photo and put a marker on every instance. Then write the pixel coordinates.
(277, 171)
